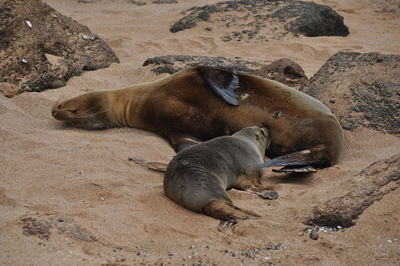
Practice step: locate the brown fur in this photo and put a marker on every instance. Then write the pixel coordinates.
(182, 106)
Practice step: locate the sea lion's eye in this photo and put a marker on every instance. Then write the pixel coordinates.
(74, 111)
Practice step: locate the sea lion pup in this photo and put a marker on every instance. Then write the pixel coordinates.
(202, 103)
(198, 176)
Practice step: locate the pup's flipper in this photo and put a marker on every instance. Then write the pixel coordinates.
(227, 213)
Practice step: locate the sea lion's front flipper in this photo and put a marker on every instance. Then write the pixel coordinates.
(223, 83)
(155, 166)
(180, 142)
(301, 161)
(263, 192)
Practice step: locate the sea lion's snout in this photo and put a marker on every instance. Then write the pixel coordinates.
(56, 111)
(79, 112)
(61, 111)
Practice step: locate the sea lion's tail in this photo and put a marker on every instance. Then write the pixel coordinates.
(301, 161)
(227, 213)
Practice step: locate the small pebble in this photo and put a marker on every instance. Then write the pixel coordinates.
(88, 37)
(314, 235)
(271, 195)
(332, 101)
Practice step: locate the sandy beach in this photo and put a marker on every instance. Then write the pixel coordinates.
(69, 196)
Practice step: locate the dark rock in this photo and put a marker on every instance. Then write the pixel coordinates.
(368, 186)
(285, 71)
(282, 70)
(265, 19)
(316, 20)
(41, 227)
(42, 49)
(35, 227)
(366, 89)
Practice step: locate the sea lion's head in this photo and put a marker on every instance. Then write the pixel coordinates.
(257, 135)
(88, 111)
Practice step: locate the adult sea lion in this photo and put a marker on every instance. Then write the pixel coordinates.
(198, 176)
(201, 103)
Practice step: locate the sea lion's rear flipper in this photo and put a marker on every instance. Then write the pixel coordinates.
(223, 83)
(294, 169)
(227, 213)
(301, 161)
(155, 166)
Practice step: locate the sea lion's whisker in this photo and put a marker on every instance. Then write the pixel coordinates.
(93, 109)
(89, 115)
